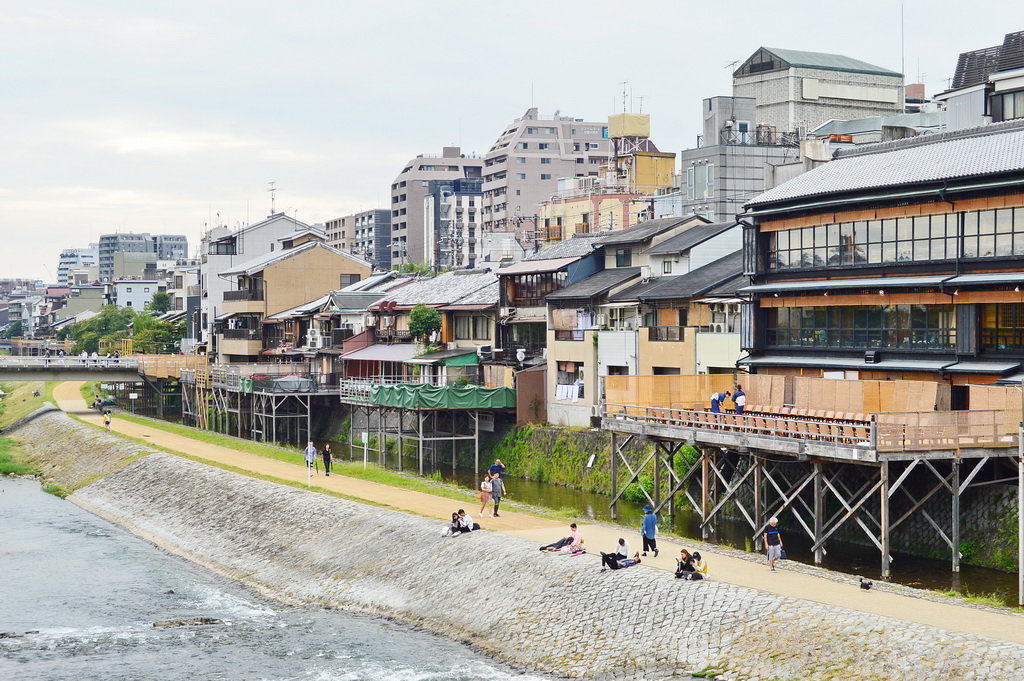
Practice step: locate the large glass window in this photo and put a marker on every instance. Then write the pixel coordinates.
(1002, 326)
(905, 327)
(973, 234)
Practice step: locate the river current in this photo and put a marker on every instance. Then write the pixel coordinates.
(79, 598)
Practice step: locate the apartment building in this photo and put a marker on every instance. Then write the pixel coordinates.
(408, 242)
(366, 234)
(158, 246)
(522, 168)
(77, 259)
(451, 211)
(988, 85)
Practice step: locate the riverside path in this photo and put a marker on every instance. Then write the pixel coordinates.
(821, 588)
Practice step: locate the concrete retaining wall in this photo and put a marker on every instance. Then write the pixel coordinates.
(499, 593)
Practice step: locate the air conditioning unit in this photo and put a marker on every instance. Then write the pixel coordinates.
(645, 272)
(369, 320)
(872, 357)
(451, 345)
(313, 342)
(508, 311)
(718, 328)
(483, 351)
(387, 322)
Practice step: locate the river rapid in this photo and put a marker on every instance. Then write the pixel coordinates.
(79, 598)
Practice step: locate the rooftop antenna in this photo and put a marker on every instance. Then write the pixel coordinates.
(272, 190)
(731, 64)
(624, 84)
(641, 98)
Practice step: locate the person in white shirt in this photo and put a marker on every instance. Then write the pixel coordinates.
(467, 522)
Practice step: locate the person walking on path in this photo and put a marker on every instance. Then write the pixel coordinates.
(106, 420)
(497, 491)
(649, 531)
(739, 399)
(773, 542)
(716, 401)
(326, 456)
(485, 492)
(310, 453)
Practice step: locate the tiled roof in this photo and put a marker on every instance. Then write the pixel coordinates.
(828, 62)
(576, 247)
(991, 150)
(694, 236)
(645, 230)
(444, 289)
(693, 283)
(596, 284)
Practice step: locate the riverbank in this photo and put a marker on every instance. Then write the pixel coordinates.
(495, 590)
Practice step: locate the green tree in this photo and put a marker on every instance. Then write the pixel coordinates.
(158, 337)
(420, 268)
(424, 321)
(161, 302)
(15, 329)
(111, 324)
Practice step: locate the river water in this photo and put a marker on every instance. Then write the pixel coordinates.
(93, 592)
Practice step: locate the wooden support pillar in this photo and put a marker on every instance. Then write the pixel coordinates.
(704, 501)
(614, 468)
(401, 437)
(883, 515)
(657, 477)
(1020, 517)
(819, 512)
(955, 526)
(476, 441)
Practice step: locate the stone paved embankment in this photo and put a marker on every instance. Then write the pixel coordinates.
(498, 592)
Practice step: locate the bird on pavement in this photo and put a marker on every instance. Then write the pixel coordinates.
(865, 584)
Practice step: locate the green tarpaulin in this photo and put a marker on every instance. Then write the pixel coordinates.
(461, 360)
(417, 396)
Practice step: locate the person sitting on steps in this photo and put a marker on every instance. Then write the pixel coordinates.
(684, 564)
(611, 562)
(574, 537)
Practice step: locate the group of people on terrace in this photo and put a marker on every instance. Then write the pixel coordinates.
(739, 400)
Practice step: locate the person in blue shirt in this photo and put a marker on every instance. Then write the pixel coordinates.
(739, 398)
(649, 531)
(716, 401)
(497, 468)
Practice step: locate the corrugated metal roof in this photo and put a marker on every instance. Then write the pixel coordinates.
(689, 285)
(399, 352)
(694, 236)
(828, 62)
(343, 301)
(596, 284)
(576, 247)
(992, 150)
(537, 266)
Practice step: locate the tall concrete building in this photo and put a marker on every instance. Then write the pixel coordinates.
(522, 168)
(408, 229)
(76, 259)
(451, 211)
(160, 246)
(796, 90)
(777, 97)
(366, 234)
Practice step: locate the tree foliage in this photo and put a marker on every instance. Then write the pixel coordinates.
(115, 323)
(424, 321)
(420, 268)
(15, 329)
(161, 302)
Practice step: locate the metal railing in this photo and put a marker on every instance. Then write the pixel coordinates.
(888, 432)
(666, 333)
(241, 334)
(67, 362)
(358, 387)
(243, 296)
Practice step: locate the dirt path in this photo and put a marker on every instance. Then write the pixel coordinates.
(1006, 627)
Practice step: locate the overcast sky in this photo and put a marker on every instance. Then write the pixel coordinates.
(158, 117)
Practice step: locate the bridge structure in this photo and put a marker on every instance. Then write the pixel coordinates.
(123, 369)
(827, 475)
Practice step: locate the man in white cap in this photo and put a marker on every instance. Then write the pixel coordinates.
(310, 453)
(773, 542)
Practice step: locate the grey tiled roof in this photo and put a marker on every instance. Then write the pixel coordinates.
(596, 284)
(992, 150)
(694, 236)
(694, 283)
(444, 289)
(576, 247)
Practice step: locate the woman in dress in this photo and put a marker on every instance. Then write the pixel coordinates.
(485, 492)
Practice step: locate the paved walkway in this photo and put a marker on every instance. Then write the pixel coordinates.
(729, 569)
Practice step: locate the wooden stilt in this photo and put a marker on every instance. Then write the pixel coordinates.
(884, 516)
